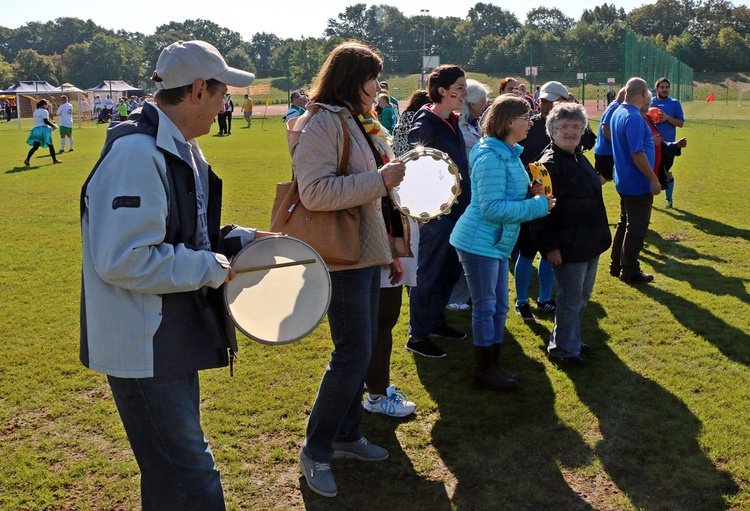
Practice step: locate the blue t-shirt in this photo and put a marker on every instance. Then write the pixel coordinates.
(672, 107)
(602, 145)
(630, 134)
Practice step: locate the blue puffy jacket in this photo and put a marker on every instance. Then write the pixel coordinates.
(499, 201)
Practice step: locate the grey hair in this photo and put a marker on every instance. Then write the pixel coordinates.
(475, 91)
(566, 112)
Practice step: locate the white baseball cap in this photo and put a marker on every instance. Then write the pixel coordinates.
(552, 91)
(182, 63)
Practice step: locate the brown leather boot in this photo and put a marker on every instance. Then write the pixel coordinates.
(486, 375)
(496, 358)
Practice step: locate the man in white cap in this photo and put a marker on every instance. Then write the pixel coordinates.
(154, 261)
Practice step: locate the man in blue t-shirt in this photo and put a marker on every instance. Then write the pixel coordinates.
(604, 162)
(672, 119)
(635, 181)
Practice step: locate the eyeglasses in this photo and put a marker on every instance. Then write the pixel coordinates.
(526, 118)
(216, 89)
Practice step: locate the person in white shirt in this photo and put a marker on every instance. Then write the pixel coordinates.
(65, 112)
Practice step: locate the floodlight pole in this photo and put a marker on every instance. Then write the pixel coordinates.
(425, 13)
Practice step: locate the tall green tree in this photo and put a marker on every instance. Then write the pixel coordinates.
(262, 48)
(30, 65)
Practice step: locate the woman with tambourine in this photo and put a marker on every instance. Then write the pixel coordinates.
(574, 234)
(341, 104)
(502, 197)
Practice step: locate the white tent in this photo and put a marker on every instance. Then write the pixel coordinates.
(30, 88)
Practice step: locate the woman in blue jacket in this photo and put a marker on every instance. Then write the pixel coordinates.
(484, 236)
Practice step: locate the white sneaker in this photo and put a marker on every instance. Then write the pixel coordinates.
(393, 403)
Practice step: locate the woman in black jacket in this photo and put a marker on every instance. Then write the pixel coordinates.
(575, 232)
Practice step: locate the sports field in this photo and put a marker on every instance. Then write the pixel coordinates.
(660, 419)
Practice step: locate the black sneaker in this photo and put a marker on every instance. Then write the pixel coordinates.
(638, 278)
(548, 306)
(585, 350)
(614, 269)
(448, 332)
(567, 361)
(524, 310)
(424, 347)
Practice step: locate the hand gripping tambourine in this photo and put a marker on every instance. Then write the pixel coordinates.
(540, 174)
(431, 184)
(280, 292)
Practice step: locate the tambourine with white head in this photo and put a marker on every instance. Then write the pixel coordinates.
(431, 185)
(281, 290)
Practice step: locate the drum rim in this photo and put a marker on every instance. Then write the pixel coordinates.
(445, 208)
(311, 330)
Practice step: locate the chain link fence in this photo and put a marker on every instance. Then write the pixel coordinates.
(589, 72)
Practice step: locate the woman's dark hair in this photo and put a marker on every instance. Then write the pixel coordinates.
(420, 98)
(41, 103)
(343, 75)
(442, 76)
(176, 95)
(503, 112)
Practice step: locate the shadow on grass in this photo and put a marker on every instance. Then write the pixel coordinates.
(733, 342)
(390, 484)
(707, 225)
(649, 445)
(503, 449)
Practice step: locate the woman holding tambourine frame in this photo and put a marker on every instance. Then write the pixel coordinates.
(502, 197)
(341, 102)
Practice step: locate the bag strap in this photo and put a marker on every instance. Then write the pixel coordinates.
(294, 198)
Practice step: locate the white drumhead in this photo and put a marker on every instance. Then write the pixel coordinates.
(430, 186)
(283, 301)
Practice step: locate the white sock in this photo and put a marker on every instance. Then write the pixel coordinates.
(71, 143)
(62, 143)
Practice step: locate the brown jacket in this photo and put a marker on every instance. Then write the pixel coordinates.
(316, 147)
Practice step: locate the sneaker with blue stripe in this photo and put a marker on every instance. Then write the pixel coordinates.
(393, 403)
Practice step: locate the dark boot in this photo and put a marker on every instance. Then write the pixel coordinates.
(486, 374)
(496, 358)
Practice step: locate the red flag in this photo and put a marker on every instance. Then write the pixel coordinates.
(710, 98)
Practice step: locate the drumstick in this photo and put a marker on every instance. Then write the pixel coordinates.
(274, 266)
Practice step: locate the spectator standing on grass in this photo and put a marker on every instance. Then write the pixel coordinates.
(97, 105)
(438, 269)
(533, 146)
(228, 109)
(635, 182)
(297, 106)
(65, 112)
(575, 232)
(471, 111)
(604, 162)
(394, 101)
(671, 119)
(400, 142)
(247, 110)
(341, 103)
(386, 113)
(41, 133)
(154, 261)
(501, 198)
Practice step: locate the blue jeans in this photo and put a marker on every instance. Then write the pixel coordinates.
(488, 282)
(574, 283)
(353, 318)
(522, 277)
(437, 270)
(162, 420)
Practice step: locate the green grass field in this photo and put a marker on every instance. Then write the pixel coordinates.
(660, 420)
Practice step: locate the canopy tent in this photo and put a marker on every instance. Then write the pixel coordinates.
(32, 90)
(111, 86)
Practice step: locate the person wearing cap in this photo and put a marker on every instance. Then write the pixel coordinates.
(154, 262)
(635, 181)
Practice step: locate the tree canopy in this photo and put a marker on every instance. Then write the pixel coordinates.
(709, 35)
